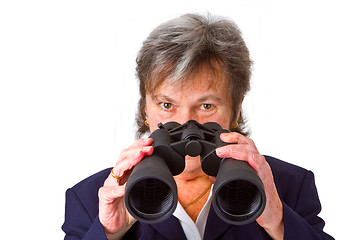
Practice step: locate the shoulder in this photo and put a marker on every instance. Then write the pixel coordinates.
(284, 169)
(88, 188)
(82, 200)
(290, 180)
(93, 180)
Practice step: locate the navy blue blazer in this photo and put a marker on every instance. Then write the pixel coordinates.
(295, 185)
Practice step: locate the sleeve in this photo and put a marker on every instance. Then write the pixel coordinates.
(302, 221)
(78, 222)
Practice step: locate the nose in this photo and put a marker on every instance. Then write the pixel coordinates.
(186, 115)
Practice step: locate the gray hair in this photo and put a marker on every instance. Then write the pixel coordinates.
(177, 49)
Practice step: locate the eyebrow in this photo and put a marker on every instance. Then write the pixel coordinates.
(210, 97)
(162, 97)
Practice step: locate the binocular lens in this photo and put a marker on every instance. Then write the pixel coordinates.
(238, 199)
(150, 192)
(238, 193)
(151, 198)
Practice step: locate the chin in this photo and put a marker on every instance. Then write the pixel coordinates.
(192, 162)
(192, 165)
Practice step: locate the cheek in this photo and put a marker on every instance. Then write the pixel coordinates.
(153, 122)
(155, 118)
(150, 116)
(222, 117)
(224, 121)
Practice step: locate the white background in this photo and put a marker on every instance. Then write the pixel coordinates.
(68, 96)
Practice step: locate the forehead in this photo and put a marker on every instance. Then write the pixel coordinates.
(205, 77)
(202, 85)
(196, 90)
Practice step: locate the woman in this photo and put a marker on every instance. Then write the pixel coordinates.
(197, 68)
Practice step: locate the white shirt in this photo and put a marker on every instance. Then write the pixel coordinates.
(193, 231)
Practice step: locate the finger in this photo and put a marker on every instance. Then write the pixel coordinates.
(130, 158)
(108, 194)
(127, 162)
(236, 151)
(262, 168)
(234, 137)
(142, 142)
(135, 147)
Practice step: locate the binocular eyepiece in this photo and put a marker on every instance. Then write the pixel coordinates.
(151, 192)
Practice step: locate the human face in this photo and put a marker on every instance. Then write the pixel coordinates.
(192, 101)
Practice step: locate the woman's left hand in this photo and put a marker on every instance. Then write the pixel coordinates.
(243, 148)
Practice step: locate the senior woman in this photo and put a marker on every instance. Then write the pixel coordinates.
(195, 68)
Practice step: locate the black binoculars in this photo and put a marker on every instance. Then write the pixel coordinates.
(151, 192)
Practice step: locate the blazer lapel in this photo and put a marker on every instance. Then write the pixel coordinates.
(170, 229)
(214, 226)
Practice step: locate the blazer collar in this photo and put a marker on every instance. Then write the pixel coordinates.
(214, 226)
(170, 229)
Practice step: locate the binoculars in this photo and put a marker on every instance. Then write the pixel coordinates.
(238, 195)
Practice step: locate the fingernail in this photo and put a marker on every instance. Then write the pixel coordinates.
(219, 151)
(147, 148)
(225, 135)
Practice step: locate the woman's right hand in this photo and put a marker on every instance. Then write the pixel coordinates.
(113, 214)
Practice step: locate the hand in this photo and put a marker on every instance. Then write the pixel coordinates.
(113, 214)
(243, 148)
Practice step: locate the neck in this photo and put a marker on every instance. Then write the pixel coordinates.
(193, 179)
(193, 189)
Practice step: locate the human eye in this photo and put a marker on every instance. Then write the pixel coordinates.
(206, 106)
(167, 106)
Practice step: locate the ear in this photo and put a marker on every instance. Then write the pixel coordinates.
(145, 106)
(239, 110)
(234, 124)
